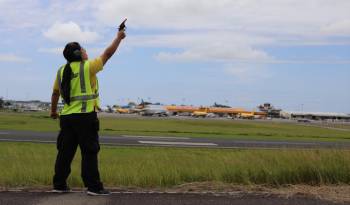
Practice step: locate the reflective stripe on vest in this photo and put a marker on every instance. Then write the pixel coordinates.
(83, 98)
(82, 78)
(82, 86)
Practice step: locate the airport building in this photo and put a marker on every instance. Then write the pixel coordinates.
(33, 105)
(316, 116)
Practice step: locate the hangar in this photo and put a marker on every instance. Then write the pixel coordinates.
(316, 116)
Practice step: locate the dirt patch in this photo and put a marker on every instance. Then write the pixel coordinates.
(339, 193)
(333, 193)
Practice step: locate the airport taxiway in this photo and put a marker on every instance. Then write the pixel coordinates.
(126, 140)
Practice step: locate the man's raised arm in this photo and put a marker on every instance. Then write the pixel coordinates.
(110, 50)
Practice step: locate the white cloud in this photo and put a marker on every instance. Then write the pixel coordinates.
(244, 73)
(182, 39)
(206, 46)
(227, 30)
(95, 51)
(13, 58)
(220, 30)
(216, 53)
(287, 17)
(70, 31)
(293, 17)
(331, 61)
(10, 9)
(59, 51)
(51, 50)
(341, 28)
(36, 14)
(222, 47)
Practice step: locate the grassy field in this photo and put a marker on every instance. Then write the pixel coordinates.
(26, 164)
(255, 130)
(339, 126)
(32, 165)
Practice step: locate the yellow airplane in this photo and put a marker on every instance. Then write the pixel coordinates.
(249, 116)
(202, 112)
(122, 110)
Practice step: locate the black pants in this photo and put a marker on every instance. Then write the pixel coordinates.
(78, 129)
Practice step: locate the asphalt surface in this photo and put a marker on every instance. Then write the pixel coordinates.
(122, 140)
(42, 198)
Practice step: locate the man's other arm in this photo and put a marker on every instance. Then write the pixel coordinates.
(54, 101)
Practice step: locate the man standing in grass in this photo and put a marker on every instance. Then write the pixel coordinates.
(77, 84)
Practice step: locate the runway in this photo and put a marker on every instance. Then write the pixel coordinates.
(158, 141)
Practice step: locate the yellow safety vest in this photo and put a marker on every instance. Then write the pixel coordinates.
(82, 98)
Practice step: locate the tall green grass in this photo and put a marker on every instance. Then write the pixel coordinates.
(229, 129)
(32, 165)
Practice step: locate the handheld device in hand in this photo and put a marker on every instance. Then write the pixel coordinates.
(122, 25)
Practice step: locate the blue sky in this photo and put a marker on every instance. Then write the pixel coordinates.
(292, 53)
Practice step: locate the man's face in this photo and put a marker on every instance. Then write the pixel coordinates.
(84, 55)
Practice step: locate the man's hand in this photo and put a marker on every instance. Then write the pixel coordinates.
(121, 35)
(122, 26)
(54, 115)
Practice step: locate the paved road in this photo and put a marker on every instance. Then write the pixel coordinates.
(122, 140)
(42, 198)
